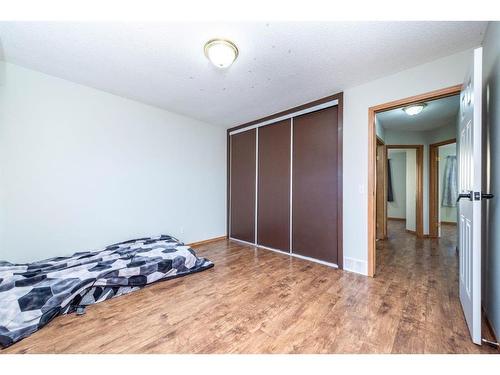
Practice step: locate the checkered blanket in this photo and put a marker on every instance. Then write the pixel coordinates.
(33, 294)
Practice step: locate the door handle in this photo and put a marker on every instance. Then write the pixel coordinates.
(469, 195)
(475, 196)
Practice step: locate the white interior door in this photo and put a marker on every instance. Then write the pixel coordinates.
(469, 206)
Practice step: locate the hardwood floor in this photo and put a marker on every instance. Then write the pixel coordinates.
(258, 301)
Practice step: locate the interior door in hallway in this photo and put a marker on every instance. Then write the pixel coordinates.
(469, 186)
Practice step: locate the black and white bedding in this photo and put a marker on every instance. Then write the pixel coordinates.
(33, 294)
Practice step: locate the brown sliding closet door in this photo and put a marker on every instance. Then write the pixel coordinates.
(242, 182)
(314, 190)
(273, 213)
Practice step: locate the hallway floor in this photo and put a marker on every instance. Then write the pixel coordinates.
(427, 272)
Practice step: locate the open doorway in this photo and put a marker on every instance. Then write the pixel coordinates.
(410, 134)
(399, 190)
(442, 188)
(397, 133)
(381, 190)
(404, 199)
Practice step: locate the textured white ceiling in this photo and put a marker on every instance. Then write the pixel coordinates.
(436, 114)
(280, 65)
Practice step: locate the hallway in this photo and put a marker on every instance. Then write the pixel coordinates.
(427, 270)
(403, 250)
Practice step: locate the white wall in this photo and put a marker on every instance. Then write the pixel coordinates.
(434, 75)
(397, 208)
(445, 213)
(491, 112)
(81, 169)
(91, 130)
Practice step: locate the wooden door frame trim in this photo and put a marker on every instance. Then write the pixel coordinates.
(434, 186)
(340, 115)
(372, 148)
(419, 209)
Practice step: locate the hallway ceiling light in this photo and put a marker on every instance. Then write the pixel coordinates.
(414, 109)
(221, 52)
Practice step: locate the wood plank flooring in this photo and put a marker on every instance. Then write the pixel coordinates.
(258, 301)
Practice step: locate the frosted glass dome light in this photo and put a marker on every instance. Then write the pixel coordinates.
(415, 109)
(221, 52)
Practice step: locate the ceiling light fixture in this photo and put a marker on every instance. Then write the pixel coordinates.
(414, 109)
(221, 52)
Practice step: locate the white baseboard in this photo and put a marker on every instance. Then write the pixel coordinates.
(356, 265)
